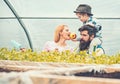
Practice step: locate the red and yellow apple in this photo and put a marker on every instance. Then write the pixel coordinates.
(73, 35)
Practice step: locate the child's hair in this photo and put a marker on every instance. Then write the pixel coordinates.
(83, 13)
(58, 29)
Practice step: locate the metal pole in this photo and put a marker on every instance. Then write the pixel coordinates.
(20, 21)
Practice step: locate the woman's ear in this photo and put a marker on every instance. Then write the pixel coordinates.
(60, 33)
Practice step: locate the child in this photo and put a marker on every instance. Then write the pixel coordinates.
(83, 12)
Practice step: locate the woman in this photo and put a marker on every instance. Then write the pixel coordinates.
(61, 35)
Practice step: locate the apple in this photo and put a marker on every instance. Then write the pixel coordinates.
(73, 35)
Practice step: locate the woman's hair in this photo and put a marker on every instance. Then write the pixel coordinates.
(58, 29)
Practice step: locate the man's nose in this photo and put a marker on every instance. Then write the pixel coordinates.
(81, 37)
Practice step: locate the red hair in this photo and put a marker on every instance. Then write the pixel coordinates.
(58, 29)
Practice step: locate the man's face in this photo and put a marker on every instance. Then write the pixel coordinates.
(81, 17)
(85, 40)
(84, 36)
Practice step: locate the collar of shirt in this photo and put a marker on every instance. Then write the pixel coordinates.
(89, 20)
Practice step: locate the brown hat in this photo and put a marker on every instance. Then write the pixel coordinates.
(83, 8)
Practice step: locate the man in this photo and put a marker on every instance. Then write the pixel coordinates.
(88, 34)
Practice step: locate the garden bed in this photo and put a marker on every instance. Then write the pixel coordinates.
(59, 73)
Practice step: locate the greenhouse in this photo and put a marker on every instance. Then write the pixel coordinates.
(29, 24)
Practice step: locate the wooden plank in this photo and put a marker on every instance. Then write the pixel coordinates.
(50, 79)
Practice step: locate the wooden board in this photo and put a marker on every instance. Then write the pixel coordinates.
(55, 73)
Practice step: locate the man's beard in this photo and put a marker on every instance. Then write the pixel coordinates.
(84, 45)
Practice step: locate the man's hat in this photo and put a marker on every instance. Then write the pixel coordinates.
(83, 8)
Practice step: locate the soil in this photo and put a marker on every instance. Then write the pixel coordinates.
(115, 75)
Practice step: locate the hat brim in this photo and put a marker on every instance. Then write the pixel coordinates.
(81, 12)
(76, 11)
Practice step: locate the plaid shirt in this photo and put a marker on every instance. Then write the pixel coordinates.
(97, 40)
(94, 21)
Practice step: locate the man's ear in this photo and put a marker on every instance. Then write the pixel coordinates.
(91, 38)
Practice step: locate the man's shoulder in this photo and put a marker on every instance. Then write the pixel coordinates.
(96, 41)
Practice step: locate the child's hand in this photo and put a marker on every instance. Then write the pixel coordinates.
(90, 24)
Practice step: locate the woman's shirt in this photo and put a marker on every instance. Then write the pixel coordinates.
(51, 46)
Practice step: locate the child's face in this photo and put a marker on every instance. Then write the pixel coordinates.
(82, 17)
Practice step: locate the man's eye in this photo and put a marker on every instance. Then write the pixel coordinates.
(84, 35)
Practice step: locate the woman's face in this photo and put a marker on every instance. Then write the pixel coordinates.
(65, 33)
